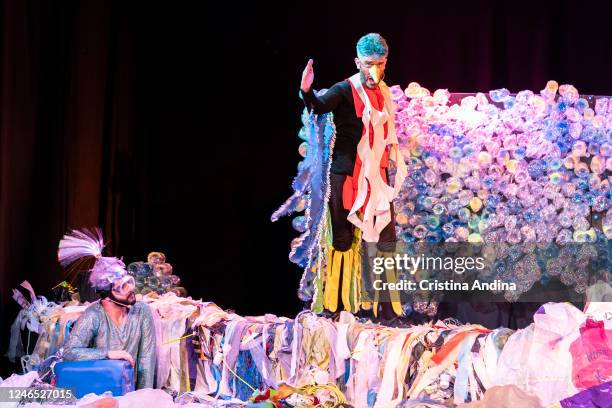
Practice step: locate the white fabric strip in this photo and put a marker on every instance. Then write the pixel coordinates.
(377, 213)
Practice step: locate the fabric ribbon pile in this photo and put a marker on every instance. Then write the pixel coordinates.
(210, 356)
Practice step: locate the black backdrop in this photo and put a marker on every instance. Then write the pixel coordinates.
(173, 125)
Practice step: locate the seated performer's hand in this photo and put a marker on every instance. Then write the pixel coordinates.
(307, 77)
(120, 355)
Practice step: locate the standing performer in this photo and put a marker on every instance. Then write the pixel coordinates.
(116, 327)
(358, 191)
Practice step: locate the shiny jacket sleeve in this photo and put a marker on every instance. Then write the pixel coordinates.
(147, 353)
(79, 345)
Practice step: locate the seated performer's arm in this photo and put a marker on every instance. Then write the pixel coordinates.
(318, 104)
(146, 350)
(79, 347)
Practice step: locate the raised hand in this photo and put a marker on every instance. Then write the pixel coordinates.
(307, 77)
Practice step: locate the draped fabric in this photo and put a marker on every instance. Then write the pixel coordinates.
(373, 191)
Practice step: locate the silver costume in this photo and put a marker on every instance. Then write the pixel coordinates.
(94, 334)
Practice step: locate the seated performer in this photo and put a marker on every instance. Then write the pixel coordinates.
(116, 327)
(365, 142)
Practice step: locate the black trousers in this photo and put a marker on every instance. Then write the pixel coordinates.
(342, 229)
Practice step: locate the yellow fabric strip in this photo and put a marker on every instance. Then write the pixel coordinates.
(391, 277)
(328, 279)
(356, 281)
(347, 274)
(317, 302)
(319, 266)
(394, 296)
(332, 282)
(375, 305)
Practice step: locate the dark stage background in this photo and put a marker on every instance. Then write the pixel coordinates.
(173, 126)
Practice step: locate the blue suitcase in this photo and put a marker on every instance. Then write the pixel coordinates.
(97, 376)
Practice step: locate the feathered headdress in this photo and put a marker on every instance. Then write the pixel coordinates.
(79, 246)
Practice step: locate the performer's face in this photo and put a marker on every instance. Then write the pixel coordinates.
(124, 290)
(371, 69)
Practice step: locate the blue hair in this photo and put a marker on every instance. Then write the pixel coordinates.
(372, 45)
